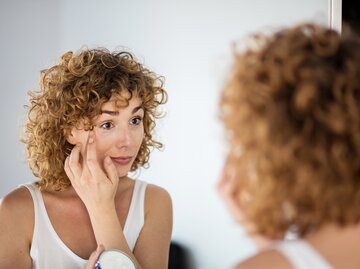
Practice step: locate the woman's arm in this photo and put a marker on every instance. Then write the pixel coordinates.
(16, 228)
(152, 246)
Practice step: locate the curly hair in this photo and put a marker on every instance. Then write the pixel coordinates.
(291, 110)
(74, 91)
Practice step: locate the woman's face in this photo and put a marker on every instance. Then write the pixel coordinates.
(118, 134)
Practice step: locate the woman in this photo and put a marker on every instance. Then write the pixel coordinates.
(89, 125)
(292, 113)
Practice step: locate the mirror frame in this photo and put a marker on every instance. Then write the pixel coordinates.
(335, 15)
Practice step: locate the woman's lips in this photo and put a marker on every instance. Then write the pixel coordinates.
(121, 160)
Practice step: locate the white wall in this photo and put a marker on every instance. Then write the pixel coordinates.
(29, 37)
(186, 41)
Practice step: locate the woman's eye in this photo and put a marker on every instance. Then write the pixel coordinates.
(106, 125)
(135, 121)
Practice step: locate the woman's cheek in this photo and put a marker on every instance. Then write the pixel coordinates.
(139, 139)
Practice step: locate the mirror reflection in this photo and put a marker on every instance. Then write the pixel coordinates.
(189, 44)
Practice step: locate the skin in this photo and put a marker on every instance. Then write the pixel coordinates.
(98, 199)
(93, 257)
(337, 245)
(227, 189)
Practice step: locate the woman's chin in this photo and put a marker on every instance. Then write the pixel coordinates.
(123, 172)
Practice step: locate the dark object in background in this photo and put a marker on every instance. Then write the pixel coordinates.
(179, 257)
(351, 14)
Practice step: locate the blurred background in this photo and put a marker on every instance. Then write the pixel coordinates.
(189, 43)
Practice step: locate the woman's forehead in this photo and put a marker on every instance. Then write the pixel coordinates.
(122, 100)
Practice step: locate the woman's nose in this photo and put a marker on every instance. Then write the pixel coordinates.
(123, 136)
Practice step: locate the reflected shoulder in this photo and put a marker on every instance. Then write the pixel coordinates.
(268, 259)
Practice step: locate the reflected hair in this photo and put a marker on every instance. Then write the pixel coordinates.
(291, 110)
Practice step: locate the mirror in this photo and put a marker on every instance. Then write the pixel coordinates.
(189, 43)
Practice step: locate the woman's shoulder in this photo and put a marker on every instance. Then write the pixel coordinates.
(155, 193)
(17, 200)
(157, 199)
(17, 212)
(267, 259)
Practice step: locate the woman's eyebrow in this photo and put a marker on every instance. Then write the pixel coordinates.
(110, 112)
(115, 113)
(136, 109)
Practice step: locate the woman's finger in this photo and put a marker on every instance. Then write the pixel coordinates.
(68, 170)
(94, 257)
(91, 158)
(227, 180)
(227, 188)
(74, 161)
(110, 170)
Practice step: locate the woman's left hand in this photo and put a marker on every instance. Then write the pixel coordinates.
(94, 257)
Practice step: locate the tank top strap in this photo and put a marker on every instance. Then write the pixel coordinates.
(135, 218)
(302, 255)
(33, 191)
(37, 198)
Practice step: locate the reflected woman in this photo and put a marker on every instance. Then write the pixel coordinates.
(292, 113)
(90, 124)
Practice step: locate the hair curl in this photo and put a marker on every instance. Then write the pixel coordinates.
(291, 109)
(74, 91)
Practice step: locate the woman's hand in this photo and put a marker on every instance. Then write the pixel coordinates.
(94, 257)
(95, 186)
(227, 188)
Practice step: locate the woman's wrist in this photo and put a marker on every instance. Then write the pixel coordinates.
(105, 223)
(115, 258)
(101, 209)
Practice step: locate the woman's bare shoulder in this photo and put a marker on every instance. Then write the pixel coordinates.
(268, 259)
(17, 205)
(16, 229)
(17, 217)
(157, 194)
(157, 201)
(157, 227)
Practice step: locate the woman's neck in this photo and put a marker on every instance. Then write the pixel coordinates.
(337, 244)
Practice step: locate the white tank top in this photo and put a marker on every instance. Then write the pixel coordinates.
(48, 251)
(301, 255)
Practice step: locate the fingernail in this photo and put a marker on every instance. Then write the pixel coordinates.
(91, 140)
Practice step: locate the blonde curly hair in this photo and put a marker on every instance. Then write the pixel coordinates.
(291, 110)
(74, 91)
